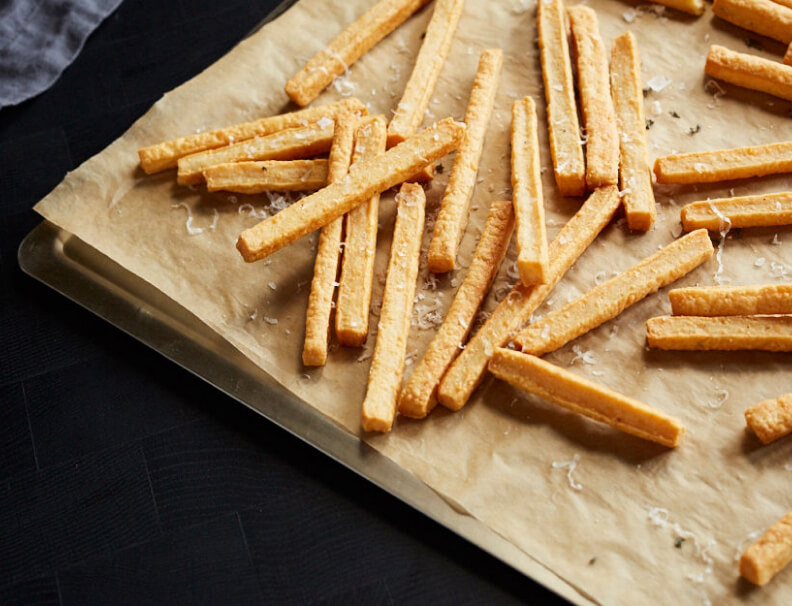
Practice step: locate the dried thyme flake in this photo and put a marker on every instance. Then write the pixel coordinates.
(694, 130)
(649, 123)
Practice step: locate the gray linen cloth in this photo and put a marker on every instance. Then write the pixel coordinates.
(40, 38)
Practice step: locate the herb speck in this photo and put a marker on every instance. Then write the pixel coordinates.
(592, 560)
(674, 114)
(694, 129)
(649, 123)
(679, 541)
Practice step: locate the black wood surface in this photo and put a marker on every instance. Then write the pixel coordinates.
(126, 480)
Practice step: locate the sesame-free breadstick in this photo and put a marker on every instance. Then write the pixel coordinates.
(767, 299)
(607, 300)
(387, 362)
(365, 179)
(730, 333)
(771, 419)
(165, 155)
(585, 397)
(418, 396)
(271, 175)
(770, 554)
(289, 144)
(764, 17)
(764, 210)
(360, 246)
(515, 310)
(431, 58)
(562, 118)
(596, 103)
(693, 7)
(349, 46)
(634, 172)
(320, 299)
(750, 71)
(452, 218)
(526, 177)
(725, 164)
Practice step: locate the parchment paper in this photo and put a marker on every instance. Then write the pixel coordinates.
(495, 459)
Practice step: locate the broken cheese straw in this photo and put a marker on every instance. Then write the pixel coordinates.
(730, 333)
(770, 554)
(165, 155)
(289, 144)
(767, 299)
(585, 397)
(725, 164)
(761, 16)
(274, 175)
(771, 419)
(387, 361)
(609, 299)
(417, 398)
(349, 46)
(365, 180)
(749, 71)
(764, 210)
(515, 310)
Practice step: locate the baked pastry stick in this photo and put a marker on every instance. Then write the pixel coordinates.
(730, 333)
(526, 177)
(764, 17)
(562, 118)
(596, 104)
(434, 50)
(585, 397)
(749, 71)
(320, 299)
(693, 7)
(515, 310)
(607, 300)
(165, 155)
(387, 362)
(272, 175)
(417, 397)
(771, 419)
(764, 210)
(367, 178)
(360, 246)
(634, 172)
(766, 299)
(289, 144)
(349, 46)
(788, 54)
(770, 554)
(725, 164)
(453, 214)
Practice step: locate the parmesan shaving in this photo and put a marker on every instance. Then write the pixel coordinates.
(570, 467)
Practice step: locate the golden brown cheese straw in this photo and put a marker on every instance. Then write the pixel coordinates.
(788, 55)
(730, 333)
(360, 246)
(694, 7)
(585, 397)
(349, 46)
(515, 310)
(273, 175)
(766, 299)
(417, 398)
(607, 300)
(770, 554)
(764, 210)
(562, 117)
(635, 174)
(165, 155)
(761, 16)
(387, 362)
(771, 419)
(725, 164)
(289, 144)
(749, 71)
(532, 257)
(431, 58)
(452, 218)
(320, 299)
(599, 118)
(364, 180)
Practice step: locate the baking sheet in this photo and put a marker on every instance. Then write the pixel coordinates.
(615, 538)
